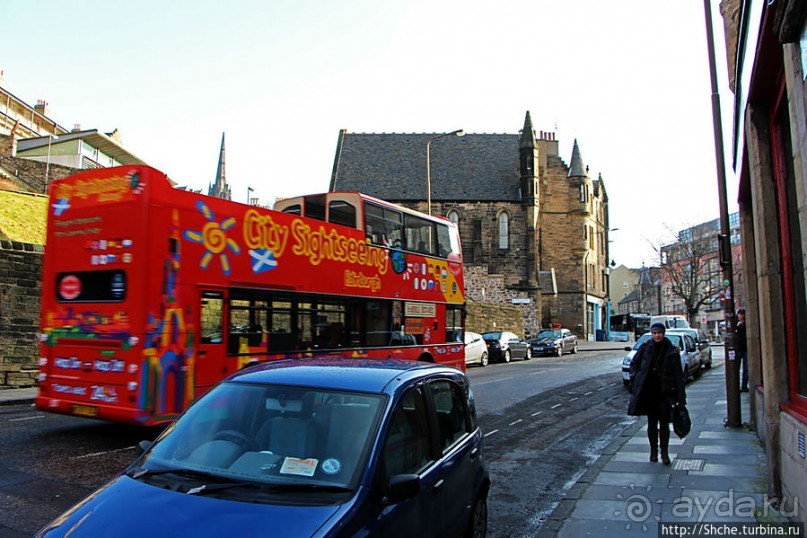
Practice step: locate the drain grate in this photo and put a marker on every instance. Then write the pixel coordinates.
(683, 464)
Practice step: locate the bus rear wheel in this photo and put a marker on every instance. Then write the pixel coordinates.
(425, 358)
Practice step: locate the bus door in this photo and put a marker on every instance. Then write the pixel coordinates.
(211, 365)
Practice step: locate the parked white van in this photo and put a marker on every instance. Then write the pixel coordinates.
(671, 321)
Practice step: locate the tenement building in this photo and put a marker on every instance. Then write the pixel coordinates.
(534, 230)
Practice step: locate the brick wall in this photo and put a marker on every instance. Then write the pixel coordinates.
(20, 285)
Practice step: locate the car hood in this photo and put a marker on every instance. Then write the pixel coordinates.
(127, 507)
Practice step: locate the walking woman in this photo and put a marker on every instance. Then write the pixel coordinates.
(656, 385)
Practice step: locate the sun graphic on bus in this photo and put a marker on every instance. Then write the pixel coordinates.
(214, 239)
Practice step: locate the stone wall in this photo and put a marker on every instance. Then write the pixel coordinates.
(30, 174)
(483, 317)
(493, 302)
(20, 285)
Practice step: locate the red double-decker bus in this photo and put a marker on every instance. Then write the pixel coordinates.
(152, 294)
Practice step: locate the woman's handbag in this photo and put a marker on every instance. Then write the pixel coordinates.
(681, 421)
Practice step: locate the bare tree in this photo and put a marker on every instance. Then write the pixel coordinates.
(690, 268)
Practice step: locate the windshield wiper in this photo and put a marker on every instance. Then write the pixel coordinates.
(141, 472)
(301, 486)
(294, 488)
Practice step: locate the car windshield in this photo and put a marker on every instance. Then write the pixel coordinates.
(548, 334)
(492, 336)
(272, 435)
(642, 339)
(674, 338)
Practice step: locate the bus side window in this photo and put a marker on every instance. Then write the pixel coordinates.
(212, 312)
(315, 206)
(443, 241)
(341, 212)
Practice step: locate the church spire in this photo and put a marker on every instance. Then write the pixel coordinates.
(220, 188)
(527, 134)
(577, 168)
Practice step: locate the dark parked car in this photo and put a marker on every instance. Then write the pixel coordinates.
(503, 346)
(318, 447)
(554, 342)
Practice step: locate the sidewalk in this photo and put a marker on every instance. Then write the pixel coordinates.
(17, 396)
(717, 476)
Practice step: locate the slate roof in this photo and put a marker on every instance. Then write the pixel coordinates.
(392, 166)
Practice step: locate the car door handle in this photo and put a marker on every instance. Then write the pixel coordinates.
(438, 486)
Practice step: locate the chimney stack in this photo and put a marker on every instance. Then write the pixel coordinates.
(41, 107)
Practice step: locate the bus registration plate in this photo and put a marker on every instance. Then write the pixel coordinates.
(85, 410)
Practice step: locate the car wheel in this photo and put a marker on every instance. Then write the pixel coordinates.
(528, 354)
(483, 360)
(698, 371)
(560, 350)
(574, 349)
(686, 375)
(479, 520)
(708, 365)
(506, 356)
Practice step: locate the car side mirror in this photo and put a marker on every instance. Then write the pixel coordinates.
(144, 445)
(627, 348)
(402, 487)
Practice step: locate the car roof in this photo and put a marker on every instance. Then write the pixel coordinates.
(682, 330)
(366, 375)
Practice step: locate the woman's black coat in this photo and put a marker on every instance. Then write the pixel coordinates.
(672, 377)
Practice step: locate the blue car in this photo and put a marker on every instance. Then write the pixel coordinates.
(316, 447)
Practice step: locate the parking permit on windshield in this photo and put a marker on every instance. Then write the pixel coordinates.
(299, 467)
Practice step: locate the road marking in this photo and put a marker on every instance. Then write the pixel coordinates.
(514, 423)
(25, 418)
(491, 381)
(556, 405)
(573, 399)
(536, 413)
(94, 454)
(490, 433)
(588, 393)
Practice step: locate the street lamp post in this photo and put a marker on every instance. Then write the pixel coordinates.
(51, 138)
(458, 132)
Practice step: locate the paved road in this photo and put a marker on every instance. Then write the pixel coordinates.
(543, 420)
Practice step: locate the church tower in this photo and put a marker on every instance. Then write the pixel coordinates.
(220, 188)
(528, 184)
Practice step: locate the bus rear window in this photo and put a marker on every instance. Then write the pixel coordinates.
(91, 286)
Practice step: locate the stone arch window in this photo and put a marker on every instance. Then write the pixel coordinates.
(504, 230)
(453, 215)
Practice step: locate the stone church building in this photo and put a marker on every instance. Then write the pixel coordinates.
(534, 230)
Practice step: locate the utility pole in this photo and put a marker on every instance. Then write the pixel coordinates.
(734, 417)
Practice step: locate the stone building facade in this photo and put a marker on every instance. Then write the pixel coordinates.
(767, 72)
(534, 230)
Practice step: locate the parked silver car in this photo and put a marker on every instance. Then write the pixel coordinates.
(690, 354)
(554, 342)
(703, 344)
(476, 350)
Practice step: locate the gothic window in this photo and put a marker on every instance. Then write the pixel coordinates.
(504, 231)
(453, 216)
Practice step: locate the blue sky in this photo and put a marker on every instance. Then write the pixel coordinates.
(628, 79)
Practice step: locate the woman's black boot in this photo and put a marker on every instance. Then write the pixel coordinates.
(652, 436)
(664, 437)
